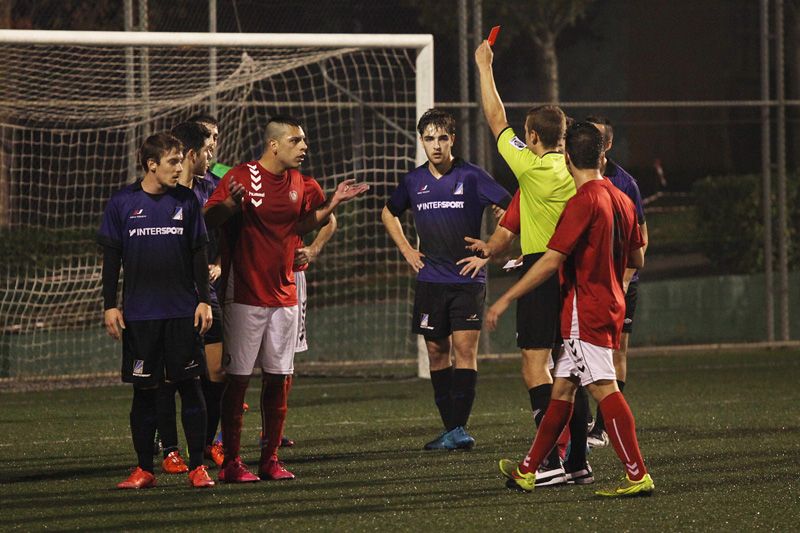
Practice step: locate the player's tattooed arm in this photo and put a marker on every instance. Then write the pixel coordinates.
(217, 214)
(308, 254)
(395, 230)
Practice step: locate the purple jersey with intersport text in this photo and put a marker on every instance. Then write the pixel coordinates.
(157, 235)
(446, 210)
(626, 183)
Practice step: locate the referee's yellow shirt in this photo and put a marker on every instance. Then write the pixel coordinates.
(545, 186)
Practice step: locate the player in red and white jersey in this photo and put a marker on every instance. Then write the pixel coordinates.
(595, 240)
(262, 206)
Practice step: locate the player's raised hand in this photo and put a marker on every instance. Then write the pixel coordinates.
(414, 258)
(347, 190)
(203, 318)
(472, 264)
(494, 312)
(112, 318)
(484, 55)
(236, 191)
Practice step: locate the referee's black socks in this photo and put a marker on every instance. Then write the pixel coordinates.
(540, 399)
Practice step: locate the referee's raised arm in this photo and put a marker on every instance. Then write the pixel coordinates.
(490, 99)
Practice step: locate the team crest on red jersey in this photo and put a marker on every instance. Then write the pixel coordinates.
(293, 195)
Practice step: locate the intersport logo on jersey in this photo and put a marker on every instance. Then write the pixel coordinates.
(149, 232)
(425, 206)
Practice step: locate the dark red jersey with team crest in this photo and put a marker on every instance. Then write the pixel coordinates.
(258, 244)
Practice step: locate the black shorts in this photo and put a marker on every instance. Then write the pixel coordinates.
(539, 312)
(214, 334)
(630, 306)
(442, 308)
(153, 350)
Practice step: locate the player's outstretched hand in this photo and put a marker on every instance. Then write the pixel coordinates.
(112, 318)
(484, 55)
(347, 190)
(203, 317)
(236, 191)
(472, 264)
(494, 313)
(414, 258)
(477, 245)
(305, 255)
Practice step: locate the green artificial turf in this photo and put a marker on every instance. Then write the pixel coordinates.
(720, 433)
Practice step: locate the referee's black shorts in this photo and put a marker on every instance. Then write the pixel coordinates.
(631, 297)
(153, 350)
(538, 312)
(442, 308)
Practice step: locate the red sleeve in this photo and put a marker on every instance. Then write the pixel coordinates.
(511, 218)
(313, 196)
(221, 193)
(572, 224)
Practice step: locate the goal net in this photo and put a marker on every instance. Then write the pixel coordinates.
(75, 106)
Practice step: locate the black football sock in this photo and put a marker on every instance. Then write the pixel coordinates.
(540, 399)
(464, 381)
(599, 423)
(143, 426)
(442, 381)
(193, 418)
(212, 392)
(167, 424)
(578, 431)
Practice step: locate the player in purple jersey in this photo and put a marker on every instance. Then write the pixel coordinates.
(447, 197)
(154, 229)
(598, 438)
(197, 142)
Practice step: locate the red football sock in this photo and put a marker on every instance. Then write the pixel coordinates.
(551, 426)
(274, 396)
(621, 430)
(231, 418)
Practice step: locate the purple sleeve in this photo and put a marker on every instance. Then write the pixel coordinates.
(110, 233)
(399, 201)
(491, 192)
(632, 190)
(198, 236)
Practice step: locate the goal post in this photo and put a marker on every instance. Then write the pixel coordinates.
(75, 106)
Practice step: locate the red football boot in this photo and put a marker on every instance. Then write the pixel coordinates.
(139, 479)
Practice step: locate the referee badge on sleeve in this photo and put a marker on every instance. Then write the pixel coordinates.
(517, 143)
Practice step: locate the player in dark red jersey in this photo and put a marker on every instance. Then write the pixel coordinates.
(264, 205)
(154, 229)
(595, 240)
(613, 171)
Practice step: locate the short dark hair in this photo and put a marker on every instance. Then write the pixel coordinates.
(193, 135)
(608, 134)
(156, 146)
(548, 121)
(584, 145)
(204, 119)
(284, 120)
(439, 118)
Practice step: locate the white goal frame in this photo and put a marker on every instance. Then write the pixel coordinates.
(422, 43)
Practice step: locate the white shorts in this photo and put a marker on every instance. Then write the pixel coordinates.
(259, 336)
(302, 298)
(588, 362)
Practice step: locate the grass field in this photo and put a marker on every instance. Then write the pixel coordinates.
(720, 433)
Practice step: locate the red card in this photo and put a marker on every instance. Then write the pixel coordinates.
(493, 35)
